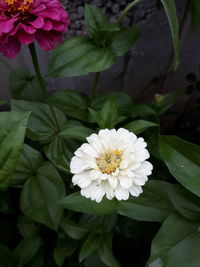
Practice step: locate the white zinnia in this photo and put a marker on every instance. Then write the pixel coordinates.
(112, 163)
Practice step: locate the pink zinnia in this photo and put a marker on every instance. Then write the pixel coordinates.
(23, 21)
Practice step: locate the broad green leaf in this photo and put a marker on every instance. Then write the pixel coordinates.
(64, 248)
(91, 244)
(60, 152)
(79, 56)
(38, 260)
(94, 260)
(78, 203)
(6, 257)
(94, 18)
(76, 132)
(74, 230)
(72, 103)
(42, 125)
(30, 160)
(167, 101)
(174, 236)
(195, 13)
(41, 195)
(141, 110)
(122, 100)
(27, 249)
(108, 116)
(27, 227)
(12, 132)
(152, 205)
(105, 252)
(139, 126)
(125, 39)
(183, 161)
(186, 203)
(170, 10)
(25, 86)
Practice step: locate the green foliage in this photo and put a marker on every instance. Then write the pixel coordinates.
(13, 127)
(139, 126)
(25, 86)
(183, 160)
(195, 13)
(170, 9)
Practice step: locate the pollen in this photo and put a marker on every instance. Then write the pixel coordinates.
(108, 162)
(18, 6)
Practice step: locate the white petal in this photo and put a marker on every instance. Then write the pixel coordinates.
(145, 168)
(88, 149)
(113, 181)
(95, 142)
(79, 153)
(94, 174)
(104, 176)
(142, 155)
(82, 179)
(135, 190)
(123, 164)
(125, 181)
(95, 191)
(109, 191)
(140, 144)
(121, 193)
(140, 180)
(77, 165)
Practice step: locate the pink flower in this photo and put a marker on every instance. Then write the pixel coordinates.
(23, 21)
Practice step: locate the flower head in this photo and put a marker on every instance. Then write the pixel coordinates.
(23, 21)
(112, 163)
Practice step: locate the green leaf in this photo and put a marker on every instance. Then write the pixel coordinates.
(27, 249)
(5, 203)
(72, 103)
(122, 100)
(170, 10)
(6, 257)
(12, 132)
(141, 110)
(42, 125)
(94, 260)
(125, 39)
(73, 230)
(76, 132)
(195, 13)
(30, 160)
(37, 261)
(176, 244)
(78, 203)
(60, 152)
(94, 18)
(139, 126)
(152, 205)
(108, 116)
(24, 86)
(64, 248)
(167, 101)
(91, 244)
(27, 227)
(105, 252)
(79, 56)
(183, 161)
(41, 195)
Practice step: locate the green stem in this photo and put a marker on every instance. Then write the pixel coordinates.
(95, 83)
(126, 10)
(41, 81)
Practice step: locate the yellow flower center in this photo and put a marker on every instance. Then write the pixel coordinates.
(108, 162)
(18, 6)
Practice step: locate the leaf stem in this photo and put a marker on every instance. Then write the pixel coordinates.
(41, 81)
(126, 10)
(95, 83)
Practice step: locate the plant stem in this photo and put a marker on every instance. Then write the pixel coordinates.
(41, 81)
(95, 83)
(126, 10)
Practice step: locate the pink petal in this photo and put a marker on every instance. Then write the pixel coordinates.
(25, 38)
(11, 48)
(38, 23)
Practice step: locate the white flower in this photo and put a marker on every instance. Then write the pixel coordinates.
(112, 163)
